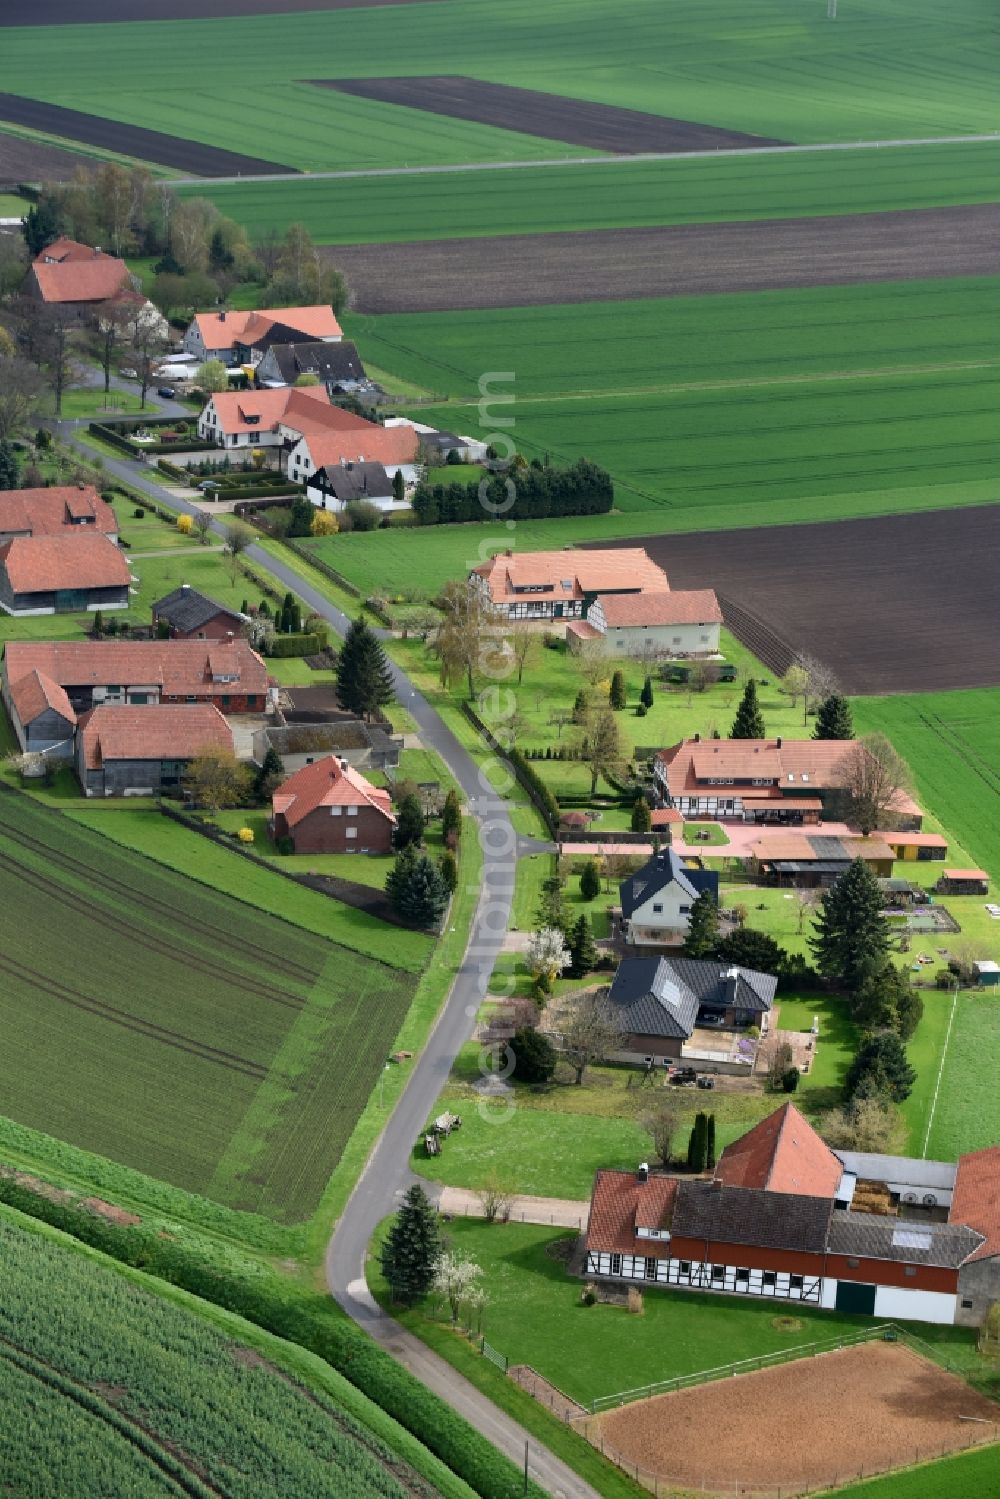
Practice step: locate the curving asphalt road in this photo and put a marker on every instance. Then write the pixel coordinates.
(387, 1173)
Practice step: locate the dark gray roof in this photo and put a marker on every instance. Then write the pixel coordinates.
(662, 996)
(874, 1237)
(660, 871)
(650, 1000)
(354, 481)
(744, 1215)
(187, 609)
(332, 363)
(324, 738)
(816, 866)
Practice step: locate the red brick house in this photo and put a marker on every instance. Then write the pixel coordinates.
(329, 808)
(780, 1219)
(190, 615)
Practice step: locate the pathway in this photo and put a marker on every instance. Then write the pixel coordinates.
(387, 1174)
(557, 1212)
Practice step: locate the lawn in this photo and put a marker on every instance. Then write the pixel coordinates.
(95, 405)
(613, 195)
(965, 1114)
(134, 1394)
(886, 72)
(534, 1316)
(212, 864)
(364, 869)
(975, 1472)
(187, 1034)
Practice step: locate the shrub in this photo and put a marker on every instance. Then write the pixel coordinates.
(364, 516)
(245, 835)
(185, 524)
(790, 1080)
(138, 513)
(280, 646)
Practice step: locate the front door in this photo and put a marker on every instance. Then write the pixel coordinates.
(852, 1296)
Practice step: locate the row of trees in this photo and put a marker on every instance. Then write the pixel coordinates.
(517, 491)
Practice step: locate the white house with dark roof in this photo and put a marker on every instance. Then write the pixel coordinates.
(656, 901)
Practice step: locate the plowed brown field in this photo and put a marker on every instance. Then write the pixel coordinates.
(552, 117)
(811, 1423)
(902, 603)
(34, 161)
(601, 265)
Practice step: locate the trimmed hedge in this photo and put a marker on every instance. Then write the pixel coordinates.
(518, 494)
(172, 470)
(116, 437)
(293, 645)
(528, 778)
(343, 1346)
(309, 556)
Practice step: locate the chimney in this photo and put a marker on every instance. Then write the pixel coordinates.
(222, 317)
(642, 1172)
(777, 742)
(343, 763)
(730, 980)
(697, 739)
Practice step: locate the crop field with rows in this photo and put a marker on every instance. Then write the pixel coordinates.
(107, 1389)
(176, 1030)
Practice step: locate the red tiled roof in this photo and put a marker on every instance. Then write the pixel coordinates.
(976, 1198)
(268, 407)
(33, 693)
(97, 279)
(179, 668)
(223, 331)
(585, 572)
(168, 731)
(966, 874)
(688, 607)
(64, 249)
(369, 443)
(781, 1154)
(665, 817)
(329, 782)
(620, 1203)
(47, 512)
(913, 840)
(39, 564)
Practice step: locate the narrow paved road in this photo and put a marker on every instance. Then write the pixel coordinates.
(387, 1173)
(583, 161)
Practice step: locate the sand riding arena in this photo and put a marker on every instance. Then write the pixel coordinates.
(811, 1424)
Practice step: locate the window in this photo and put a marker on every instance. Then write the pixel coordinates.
(685, 1268)
(658, 909)
(718, 1272)
(352, 832)
(909, 1270)
(853, 1263)
(684, 910)
(616, 1264)
(336, 811)
(352, 811)
(795, 1282)
(967, 1303)
(225, 700)
(650, 1267)
(769, 1278)
(742, 1277)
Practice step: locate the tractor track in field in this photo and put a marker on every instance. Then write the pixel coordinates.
(90, 1005)
(100, 916)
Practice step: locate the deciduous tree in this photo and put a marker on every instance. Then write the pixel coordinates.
(212, 376)
(217, 779)
(602, 752)
(456, 1280)
(661, 1124)
(236, 539)
(874, 1125)
(547, 954)
(591, 1032)
(22, 389)
(872, 775)
(462, 636)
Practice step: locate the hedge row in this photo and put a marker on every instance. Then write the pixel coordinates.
(115, 438)
(172, 470)
(343, 1346)
(260, 492)
(528, 778)
(293, 645)
(520, 494)
(308, 555)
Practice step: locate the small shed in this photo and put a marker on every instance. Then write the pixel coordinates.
(964, 882)
(987, 973)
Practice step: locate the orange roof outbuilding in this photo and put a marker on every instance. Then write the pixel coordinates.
(160, 731)
(783, 1153)
(45, 564)
(976, 1198)
(621, 1203)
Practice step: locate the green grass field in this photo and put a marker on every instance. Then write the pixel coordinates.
(185, 1033)
(965, 1112)
(975, 1472)
(613, 195)
(891, 70)
(110, 1389)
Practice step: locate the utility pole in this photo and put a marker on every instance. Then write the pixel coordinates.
(525, 1467)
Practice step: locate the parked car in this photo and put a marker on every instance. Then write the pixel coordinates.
(684, 1076)
(166, 391)
(129, 374)
(706, 1082)
(210, 486)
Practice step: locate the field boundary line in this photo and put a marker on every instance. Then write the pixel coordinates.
(944, 1058)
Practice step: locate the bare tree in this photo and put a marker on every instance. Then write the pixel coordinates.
(495, 1198)
(821, 682)
(22, 387)
(560, 717)
(202, 526)
(592, 661)
(191, 230)
(238, 537)
(661, 1125)
(56, 326)
(523, 643)
(867, 1124)
(463, 633)
(602, 752)
(114, 322)
(614, 867)
(13, 264)
(795, 684)
(591, 1032)
(872, 775)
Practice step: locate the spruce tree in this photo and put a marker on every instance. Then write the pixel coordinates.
(552, 908)
(417, 889)
(749, 721)
(852, 935)
(642, 817)
(448, 866)
(581, 707)
(451, 819)
(590, 880)
(880, 1069)
(710, 1143)
(703, 926)
(583, 952)
(398, 486)
(646, 695)
(364, 680)
(617, 696)
(833, 719)
(409, 822)
(270, 772)
(698, 1143)
(8, 466)
(412, 1248)
(534, 1056)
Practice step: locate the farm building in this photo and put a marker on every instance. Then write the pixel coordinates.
(665, 818)
(62, 574)
(365, 746)
(335, 485)
(239, 337)
(329, 808)
(651, 624)
(964, 882)
(123, 751)
(564, 584)
(55, 511)
(782, 1218)
(130, 672)
(190, 615)
(787, 781)
(79, 279)
(656, 901)
(661, 1003)
(809, 861)
(915, 846)
(987, 973)
(337, 366)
